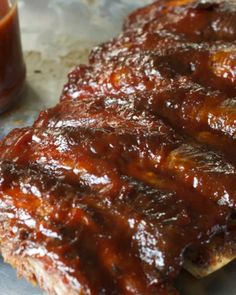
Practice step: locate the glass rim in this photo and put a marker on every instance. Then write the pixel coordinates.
(9, 13)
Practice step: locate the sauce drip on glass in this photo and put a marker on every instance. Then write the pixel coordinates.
(12, 67)
(4, 8)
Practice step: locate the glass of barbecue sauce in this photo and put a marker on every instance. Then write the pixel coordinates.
(12, 67)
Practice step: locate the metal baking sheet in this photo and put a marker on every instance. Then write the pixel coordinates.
(56, 35)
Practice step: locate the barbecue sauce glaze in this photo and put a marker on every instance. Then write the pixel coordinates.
(136, 164)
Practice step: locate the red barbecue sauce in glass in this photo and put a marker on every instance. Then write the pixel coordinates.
(12, 67)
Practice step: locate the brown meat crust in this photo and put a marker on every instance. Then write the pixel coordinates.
(135, 168)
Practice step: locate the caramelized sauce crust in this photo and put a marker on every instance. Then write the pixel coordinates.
(137, 163)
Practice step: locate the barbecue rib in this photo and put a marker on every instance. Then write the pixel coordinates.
(132, 176)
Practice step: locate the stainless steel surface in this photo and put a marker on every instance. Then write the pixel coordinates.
(56, 35)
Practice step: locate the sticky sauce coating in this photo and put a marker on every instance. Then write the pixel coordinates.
(136, 164)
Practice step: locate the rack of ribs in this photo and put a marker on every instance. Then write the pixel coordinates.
(132, 175)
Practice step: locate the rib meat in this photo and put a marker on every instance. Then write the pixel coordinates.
(134, 171)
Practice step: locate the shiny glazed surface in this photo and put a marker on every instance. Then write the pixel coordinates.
(136, 163)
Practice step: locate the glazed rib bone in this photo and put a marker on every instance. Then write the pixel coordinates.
(135, 167)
